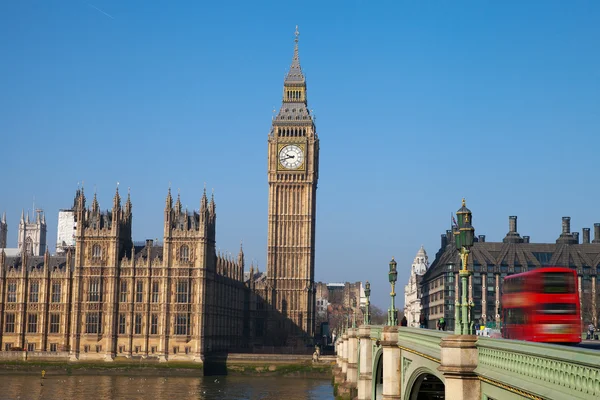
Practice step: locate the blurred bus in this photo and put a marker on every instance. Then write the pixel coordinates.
(542, 305)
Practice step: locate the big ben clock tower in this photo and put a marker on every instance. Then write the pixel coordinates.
(293, 172)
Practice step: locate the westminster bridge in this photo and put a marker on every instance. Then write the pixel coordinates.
(400, 363)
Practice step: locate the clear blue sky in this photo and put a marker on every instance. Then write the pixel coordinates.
(417, 103)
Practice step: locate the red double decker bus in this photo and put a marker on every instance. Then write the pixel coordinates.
(542, 306)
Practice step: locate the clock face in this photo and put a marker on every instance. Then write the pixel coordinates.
(291, 156)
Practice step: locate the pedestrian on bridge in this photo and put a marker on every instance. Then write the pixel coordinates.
(423, 321)
(591, 330)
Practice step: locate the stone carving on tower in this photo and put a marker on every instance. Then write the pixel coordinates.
(293, 161)
(412, 294)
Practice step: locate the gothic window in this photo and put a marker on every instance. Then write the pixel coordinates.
(93, 323)
(96, 252)
(56, 292)
(155, 292)
(123, 295)
(34, 292)
(154, 324)
(9, 327)
(138, 324)
(182, 324)
(54, 323)
(184, 253)
(12, 293)
(53, 347)
(139, 292)
(32, 323)
(29, 246)
(182, 292)
(94, 290)
(122, 324)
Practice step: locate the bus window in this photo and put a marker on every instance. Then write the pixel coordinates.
(558, 283)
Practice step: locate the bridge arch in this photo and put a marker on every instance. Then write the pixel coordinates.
(425, 384)
(377, 380)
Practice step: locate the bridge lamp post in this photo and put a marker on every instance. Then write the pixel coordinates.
(464, 238)
(368, 305)
(393, 276)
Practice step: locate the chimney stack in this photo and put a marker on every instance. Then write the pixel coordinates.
(586, 235)
(444, 241)
(525, 239)
(512, 236)
(566, 225)
(482, 238)
(566, 237)
(512, 224)
(596, 233)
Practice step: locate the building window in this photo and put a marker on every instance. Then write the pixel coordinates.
(54, 323)
(182, 324)
(122, 324)
(184, 253)
(138, 324)
(175, 350)
(94, 290)
(93, 323)
(137, 349)
(96, 251)
(121, 349)
(53, 347)
(32, 323)
(12, 293)
(155, 292)
(9, 326)
(98, 349)
(86, 348)
(30, 346)
(153, 349)
(34, 292)
(123, 295)
(7, 346)
(55, 292)
(154, 324)
(182, 291)
(139, 292)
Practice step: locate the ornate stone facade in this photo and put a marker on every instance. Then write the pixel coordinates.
(293, 170)
(412, 290)
(32, 234)
(110, 297)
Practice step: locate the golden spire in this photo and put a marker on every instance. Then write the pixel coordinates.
(464, 203)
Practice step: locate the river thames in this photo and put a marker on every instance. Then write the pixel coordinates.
(99, 387)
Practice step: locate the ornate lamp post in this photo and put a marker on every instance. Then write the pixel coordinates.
(354, 312)
(393, 276)
(368, 305)
(463, 238)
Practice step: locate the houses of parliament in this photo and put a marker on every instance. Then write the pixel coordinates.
(108, 296)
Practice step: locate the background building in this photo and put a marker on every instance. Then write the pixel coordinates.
(412, 290)
(490, 262)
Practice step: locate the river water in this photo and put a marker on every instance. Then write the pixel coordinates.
(100, 387)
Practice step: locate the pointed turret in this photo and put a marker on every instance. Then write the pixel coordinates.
(27, 219)
(4, 217)
(22, 216)
(169, 200)
(178, 202)
(117, 199)
(212, 209)
(128, 202)
(203, 202)
(95, 205)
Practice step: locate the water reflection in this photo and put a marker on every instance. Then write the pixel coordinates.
(96, 387)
